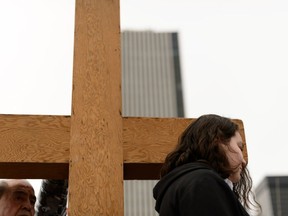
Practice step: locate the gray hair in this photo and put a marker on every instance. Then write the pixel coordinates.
(3, 187)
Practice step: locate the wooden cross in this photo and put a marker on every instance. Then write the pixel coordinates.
(95, 144)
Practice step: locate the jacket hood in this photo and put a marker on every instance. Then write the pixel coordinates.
(161, 187)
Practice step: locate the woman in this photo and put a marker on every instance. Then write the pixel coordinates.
(206, 174)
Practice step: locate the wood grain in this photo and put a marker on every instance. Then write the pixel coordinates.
(45, 139)
(96, 150)
(28, 138)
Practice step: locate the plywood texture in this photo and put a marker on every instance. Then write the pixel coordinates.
(28, 138)
(96, 150)
(43, 140)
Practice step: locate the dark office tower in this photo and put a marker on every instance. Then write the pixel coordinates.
(272, 194)
(151, 87)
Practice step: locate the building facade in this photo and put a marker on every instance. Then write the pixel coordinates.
(151, 87)
(272, 194)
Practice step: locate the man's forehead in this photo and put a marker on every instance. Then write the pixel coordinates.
(20, 184)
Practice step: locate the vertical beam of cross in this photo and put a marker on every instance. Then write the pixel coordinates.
(96, 151)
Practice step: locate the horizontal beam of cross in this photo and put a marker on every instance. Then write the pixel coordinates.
(37, 146)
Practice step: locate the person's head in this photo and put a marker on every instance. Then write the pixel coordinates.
(213, 139)
(216, 141)
(16, 198)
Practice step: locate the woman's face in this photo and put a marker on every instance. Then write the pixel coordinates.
(235, 156)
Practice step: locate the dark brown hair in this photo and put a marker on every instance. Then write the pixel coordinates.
(201, 142)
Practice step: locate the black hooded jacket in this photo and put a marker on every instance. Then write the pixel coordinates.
(194, 189)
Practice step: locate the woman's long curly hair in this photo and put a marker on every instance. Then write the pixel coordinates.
(201, 142)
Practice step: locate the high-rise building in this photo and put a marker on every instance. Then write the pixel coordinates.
(151, 87)
(272, 194)
(151, 79)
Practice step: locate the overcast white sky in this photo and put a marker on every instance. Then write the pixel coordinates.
(233, 57)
